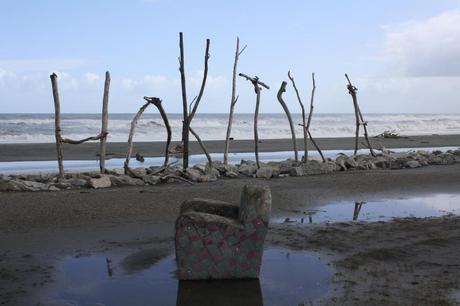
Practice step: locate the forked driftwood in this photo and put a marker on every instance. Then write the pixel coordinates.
(188, 116)
(358, 117)
(201, 145)
(255, 82)
(288, 114)
(57, 124)
(157, 102)
(105, 121)
(314, 143)
(233, 100)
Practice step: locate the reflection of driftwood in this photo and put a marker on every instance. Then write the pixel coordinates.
(288, 114)
(130, 137)
(157, 103)
(57, 123)
(201, 145)
(188, 116)
(305, 134)
(105, 121)
(233, 99)
(357, 210)
(358, 117)
(255, 82)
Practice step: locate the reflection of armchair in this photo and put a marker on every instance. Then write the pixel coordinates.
(217, 240)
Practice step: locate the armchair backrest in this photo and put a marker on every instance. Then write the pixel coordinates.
(256, 203)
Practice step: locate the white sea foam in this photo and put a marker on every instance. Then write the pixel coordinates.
(37, 128)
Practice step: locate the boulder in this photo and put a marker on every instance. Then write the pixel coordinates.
(192, 174)
(248, 170)
(126, 180)
(296, 171)
(151, 179)
(265, 172)
(412, 164)
(102, 182)
(351, 163)
(312, 167)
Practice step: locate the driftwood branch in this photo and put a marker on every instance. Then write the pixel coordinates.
(288, 114)
(185, 123)
(175, 177)
(74, 142)
(359, 120)
(305, 134)
(255, 82)
(203, 82)
(131, 134)
(201, 145)
(314, 143)
(105, 121)
(233, 99)
(164, 116)
(57, 123)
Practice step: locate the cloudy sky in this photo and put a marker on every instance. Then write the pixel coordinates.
(404, 56)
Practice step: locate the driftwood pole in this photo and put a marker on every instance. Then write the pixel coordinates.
(188, 116)
(105, 120)
(305, 134)
(288, 114)
(359, 120)
(131, 134)
(201, 145)
(57, 123)
(233, 99)
(157, 103)
(255, 82)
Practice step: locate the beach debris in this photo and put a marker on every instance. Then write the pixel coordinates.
(57, 125)
(233, 100)
(102, 182)
(359, 117)
(188, 115)
(126, 180)
(257, 88)
(306, 125)
(388, 134)
(288, 115)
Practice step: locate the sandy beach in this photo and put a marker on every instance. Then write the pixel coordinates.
(90, 150)
(399, 262)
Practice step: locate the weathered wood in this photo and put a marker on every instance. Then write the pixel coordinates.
(233, 100)
(305, 134)
(105, 120)
(185, 123)
(359, 120)
(255, 82)
(203, 83)
(57, 123)
(317, 147)
(74, 142)
(288, 114)
(164, 116)
(130, 137)
(201, 145)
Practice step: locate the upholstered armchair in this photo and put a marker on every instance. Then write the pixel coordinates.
(218, 240)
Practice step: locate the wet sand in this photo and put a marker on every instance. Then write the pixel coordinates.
(89, 151)
(410, 261)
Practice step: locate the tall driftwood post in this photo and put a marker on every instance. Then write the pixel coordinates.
(359, 120)
(288, 114)
(57, 123)
(304, 122)
(105, 120)
(159, 106)
(131, 134)
(233, 100)
(188, 116)
(255, 82)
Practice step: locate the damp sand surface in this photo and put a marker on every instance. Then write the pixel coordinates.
(407, 261)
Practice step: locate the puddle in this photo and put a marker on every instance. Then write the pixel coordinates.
(429, 206)
(286, 278)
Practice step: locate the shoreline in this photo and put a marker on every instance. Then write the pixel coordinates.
(11, 152)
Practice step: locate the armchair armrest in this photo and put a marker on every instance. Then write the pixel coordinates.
(213, 207)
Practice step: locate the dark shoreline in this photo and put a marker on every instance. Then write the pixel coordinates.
(89, 151)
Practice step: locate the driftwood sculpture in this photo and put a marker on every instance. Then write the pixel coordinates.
(57, 124)
(256, 83)
(288, 114)
(218, 240)
(358, 117)
(188, 116)
(233, 100)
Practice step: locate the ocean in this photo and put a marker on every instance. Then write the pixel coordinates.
(39, 128)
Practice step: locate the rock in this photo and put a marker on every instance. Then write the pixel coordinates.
(265, 172)
(10, 185)
(207, 178)
(78, 183)
(286, 166)
(231, 174)
(296, 171)
(53, 188)
(151, 179)
(126, 180)
(192, 174)
(201, 168)
(248, 170)
(20, 185)
(213, 172)
(315, 167)
(351, 163)
(139, 171)
(340, 161)
(102, 182)
(412, 164)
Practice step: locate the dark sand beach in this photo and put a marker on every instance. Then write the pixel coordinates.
(407, 261)
(90, 150)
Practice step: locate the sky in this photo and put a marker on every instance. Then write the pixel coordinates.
(403, 56)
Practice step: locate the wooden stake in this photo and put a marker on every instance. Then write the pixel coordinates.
(233, 99)
(105, 120)
(255, 82)
(288, 114)
(57, 123)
